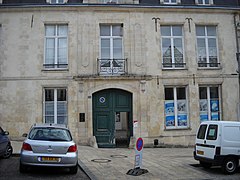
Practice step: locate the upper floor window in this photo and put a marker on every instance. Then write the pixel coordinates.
(111, 49)
(172, 47)
(176, 107)
(170, 1)
(110, 1)
(207, 46)
(56, 1)
(204, 2)
(56, 47)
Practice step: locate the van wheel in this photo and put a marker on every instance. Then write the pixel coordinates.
(229, 165)
(205, 164)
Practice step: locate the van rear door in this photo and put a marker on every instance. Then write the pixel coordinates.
(206, 140)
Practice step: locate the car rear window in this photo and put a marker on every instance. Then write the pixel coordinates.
(202, 131)
(50, 134)
(212, 132)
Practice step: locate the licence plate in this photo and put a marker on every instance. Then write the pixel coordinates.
(200, 152)
(51, 159)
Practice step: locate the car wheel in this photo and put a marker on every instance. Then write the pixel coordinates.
(22, 168)
(229, 165)
(74, 169)
(8, 151)
(205, 164)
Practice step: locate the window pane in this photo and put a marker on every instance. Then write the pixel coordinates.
(165, 31)
(50, 30)
(105, 30)
(177, 30)
(49, 94)
(212, 132)
(202, 92)
(169, 94)
(49, 119)
(181, 93)
(117, 30)
(211, 30)
(49, 108)
(117, 48)
(62, 51)
(62, 30)
(207, 2)
(62, 120)
(61, 94)
(214, 92)
(200, 30)
(61, 108)
(202, 131)
(105, 48)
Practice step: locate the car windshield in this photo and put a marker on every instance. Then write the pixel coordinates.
(50, 134)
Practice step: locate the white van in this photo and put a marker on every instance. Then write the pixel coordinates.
(218, 143)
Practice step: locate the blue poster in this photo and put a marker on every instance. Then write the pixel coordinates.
(203, 117)
(169, 107)
(214, 105)
(170, 120)
(214, 117)
(182, 120)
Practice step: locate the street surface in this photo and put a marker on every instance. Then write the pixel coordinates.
(9, 171)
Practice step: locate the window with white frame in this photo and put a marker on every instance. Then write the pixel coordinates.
(207, 46)
(176, 107)
(170, 1)
(56, 46)
(110, 1)
(204, 2)
(209, 103)
(111, 49)
(56, 1)
(55, 105)
(172, 47)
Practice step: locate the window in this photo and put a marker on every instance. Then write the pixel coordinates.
(212, 132)
(201, 132)
(56, 1)
(111, 49)
(176, 107)
(55, 105)
(170, 1)
(204, 2)
(56, 46)
(207, 46)
(110, 1)
(172, 47)
(209, 103)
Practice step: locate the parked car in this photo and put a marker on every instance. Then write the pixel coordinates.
(218, 143)
(49, 145)
(5, 144)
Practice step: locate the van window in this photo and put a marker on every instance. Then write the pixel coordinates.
(201, 132)
(212, 132)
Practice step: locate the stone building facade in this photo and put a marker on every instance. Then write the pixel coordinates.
(117, 70)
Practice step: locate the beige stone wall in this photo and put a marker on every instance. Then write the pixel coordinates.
(22, 77)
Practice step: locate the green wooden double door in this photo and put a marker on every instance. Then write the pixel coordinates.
(112, 117)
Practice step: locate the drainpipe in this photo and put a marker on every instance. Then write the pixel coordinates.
(237, 25)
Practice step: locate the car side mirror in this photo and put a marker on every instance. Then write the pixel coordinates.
(24, 135)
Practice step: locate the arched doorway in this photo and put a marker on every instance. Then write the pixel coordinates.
(112, 117)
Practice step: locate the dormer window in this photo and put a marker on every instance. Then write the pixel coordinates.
(56, 1)
(170, 1)
(109, 1)
(204, 2)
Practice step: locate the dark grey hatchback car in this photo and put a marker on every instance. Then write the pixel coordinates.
(5, 144)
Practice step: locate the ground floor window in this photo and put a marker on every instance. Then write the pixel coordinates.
(176, 107)
(55, 105)
(209, 103)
